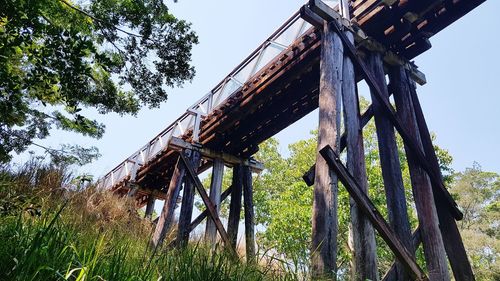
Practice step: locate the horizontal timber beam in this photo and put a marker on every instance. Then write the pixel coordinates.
(179, 144)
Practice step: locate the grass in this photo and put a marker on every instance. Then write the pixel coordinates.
(54, 229)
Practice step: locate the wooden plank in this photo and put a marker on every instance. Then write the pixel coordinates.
(235, 206)
(434, 251)
(215, 197)
(187, 202)
(377, 220)
(282, 64)
(360, 37)
(324, 217)
(389, 161)
(167, 214)
(150, 207)
(418, 47)
(453, 243)
(455, 11)
(249, 214)
(282, 94)
(206, 200)
(365, 250)
(298, 98)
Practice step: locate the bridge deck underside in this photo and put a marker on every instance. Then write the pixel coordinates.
(286, 89)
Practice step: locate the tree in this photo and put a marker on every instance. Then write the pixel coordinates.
(478, 194)
(58, 58)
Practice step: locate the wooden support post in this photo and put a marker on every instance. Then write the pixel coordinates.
(432, 241)
(235, 206)
(215, 197)
(187, 203)
(167, 214)
(369, 209)
(391, 166)
(150, 207)
(453, 243)
(365, 249)
(324, 217)
(249, 214)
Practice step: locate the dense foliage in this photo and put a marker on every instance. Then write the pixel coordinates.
(478, 193)
(59, 57)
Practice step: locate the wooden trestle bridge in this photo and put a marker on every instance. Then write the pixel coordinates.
(315, 60)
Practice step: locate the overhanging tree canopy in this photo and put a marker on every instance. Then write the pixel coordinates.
(58, 57)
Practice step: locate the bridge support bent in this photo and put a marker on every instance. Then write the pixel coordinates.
(434, 204)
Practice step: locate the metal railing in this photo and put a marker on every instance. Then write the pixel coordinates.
(283, 37)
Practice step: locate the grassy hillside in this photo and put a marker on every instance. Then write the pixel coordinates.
(52, 227)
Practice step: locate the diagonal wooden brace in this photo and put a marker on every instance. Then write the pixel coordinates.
(371, 212)
(416, 239)
(206, 200)
(206, 213)
(203, 215)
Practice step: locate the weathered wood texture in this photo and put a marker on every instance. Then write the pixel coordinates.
(391, 274)
(453, 243)
(215, 197)
(390, 112)
(167, 214)
(235, 205)
(150, 207)
(365, 249)
(206, 200)
(205, 213)
(389, 161)
(309, 176)
(187, 203)
(434, 251)
(249, 214)
(324, 217)
(369, 209)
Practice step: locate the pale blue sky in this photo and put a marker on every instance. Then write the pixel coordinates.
(460, 99)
